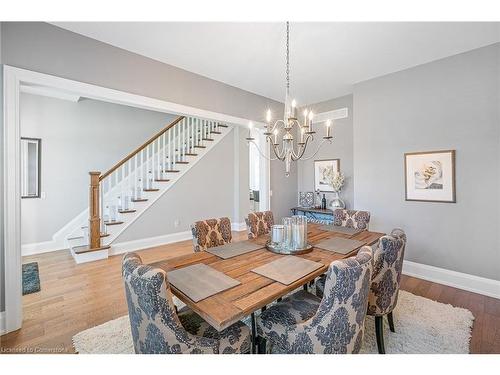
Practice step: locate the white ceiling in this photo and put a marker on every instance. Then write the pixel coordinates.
(326, 58)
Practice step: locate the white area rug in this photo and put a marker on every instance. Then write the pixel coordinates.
(422, 326)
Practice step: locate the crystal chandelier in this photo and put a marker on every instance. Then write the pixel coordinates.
(289, 150)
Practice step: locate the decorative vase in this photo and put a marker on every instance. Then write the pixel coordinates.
(336, 201)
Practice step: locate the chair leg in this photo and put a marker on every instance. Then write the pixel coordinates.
(305, 287)
(254, 333)
(261, 342)
(391, 322)
(379, 331)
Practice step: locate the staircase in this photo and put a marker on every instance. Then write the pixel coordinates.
(122, 194)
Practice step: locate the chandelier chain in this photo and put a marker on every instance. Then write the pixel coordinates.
(287, 56)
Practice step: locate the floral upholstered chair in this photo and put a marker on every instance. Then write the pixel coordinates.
(351, 218)
(210, 233)
(158, 329)
(304, 323)
(386, 279)
(259, 223)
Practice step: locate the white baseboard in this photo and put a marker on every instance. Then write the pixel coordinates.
(471, 283)
(2, 322)
(41, 247)
(238, 226)
(145, 243)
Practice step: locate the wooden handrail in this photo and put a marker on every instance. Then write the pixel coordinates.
(140, 148)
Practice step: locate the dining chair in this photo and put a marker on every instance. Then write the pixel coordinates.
(304, 323)
(351, 218)
(388, 264)
(210, 233)
(158, 329)
(259, 223)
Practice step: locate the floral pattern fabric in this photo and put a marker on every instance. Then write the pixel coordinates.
(304, 323)
(156, 327)
(388, 264)
(351, 218)
(259, 223)
(211, 233)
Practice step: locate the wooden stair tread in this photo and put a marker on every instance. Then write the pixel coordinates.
(223, 126)
(113, 222)
(126, 211)
(182, 162)
(150, 189)
(191, 154)
(200, 146)
(207, 139)
(85, 249)
(161, 180)
(171, 171)
(140, 200)
(215, 132)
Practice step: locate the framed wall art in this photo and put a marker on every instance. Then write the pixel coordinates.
(323, 169)
(430, 176)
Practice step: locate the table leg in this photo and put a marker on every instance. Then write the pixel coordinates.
(254, 333)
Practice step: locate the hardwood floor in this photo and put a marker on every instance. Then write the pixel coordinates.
(76, 297)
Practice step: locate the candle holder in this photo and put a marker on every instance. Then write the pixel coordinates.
(293, 236)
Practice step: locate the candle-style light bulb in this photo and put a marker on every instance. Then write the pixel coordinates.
(275, 136)
(293, 109)
(328, 125)
(250, 126)
(305, 117)
(302, 132)
(268, 116)
(311, 115)
(294, 103)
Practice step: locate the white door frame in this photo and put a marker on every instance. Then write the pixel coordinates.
(13, 79)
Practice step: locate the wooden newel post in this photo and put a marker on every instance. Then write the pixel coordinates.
(94, 218)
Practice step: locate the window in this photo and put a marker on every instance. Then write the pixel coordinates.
(30, 167)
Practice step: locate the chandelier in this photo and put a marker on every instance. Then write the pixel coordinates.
(289, 150)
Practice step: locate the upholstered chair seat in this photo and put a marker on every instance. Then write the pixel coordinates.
(211, 233)
(304, 323)
(156, 326)
(351, 218)
(259, 223)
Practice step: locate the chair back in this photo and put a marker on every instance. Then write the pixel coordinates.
(211, 233)
(156, 329)
(351, 218)
(338, 324)
(388, 264)
(259, 223)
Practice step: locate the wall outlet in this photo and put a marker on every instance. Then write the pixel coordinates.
(176, 223)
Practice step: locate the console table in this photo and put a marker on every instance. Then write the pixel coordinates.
(315, 215)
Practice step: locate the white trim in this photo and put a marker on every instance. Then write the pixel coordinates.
(471, 283)
(51, 93)
(336, 114)
(41, 247)
(13, 78)
(2, 322)
(238, 227)
(145, 243)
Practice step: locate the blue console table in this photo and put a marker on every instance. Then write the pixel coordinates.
(315, 215)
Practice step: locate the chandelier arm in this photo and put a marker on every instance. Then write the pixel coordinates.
(279, 154)
(261, 153)
(319, 146)
(276, 125)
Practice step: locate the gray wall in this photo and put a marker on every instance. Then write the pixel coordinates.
(76, 138)
(340, 148)
(452, 103)
(2, 276)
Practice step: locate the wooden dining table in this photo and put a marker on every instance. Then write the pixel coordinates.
(255, 291)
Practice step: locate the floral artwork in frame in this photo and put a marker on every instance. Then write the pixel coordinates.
(324, 170)
(430, 176)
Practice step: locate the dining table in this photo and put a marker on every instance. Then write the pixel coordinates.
(255, 291)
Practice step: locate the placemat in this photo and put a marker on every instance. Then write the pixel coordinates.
(233, 249)
(340, 229)
(287, 269)
(200, 281)
(339, 245)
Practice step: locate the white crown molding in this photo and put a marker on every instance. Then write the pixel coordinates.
(336, 114)
(471, 283)
(49, 92)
